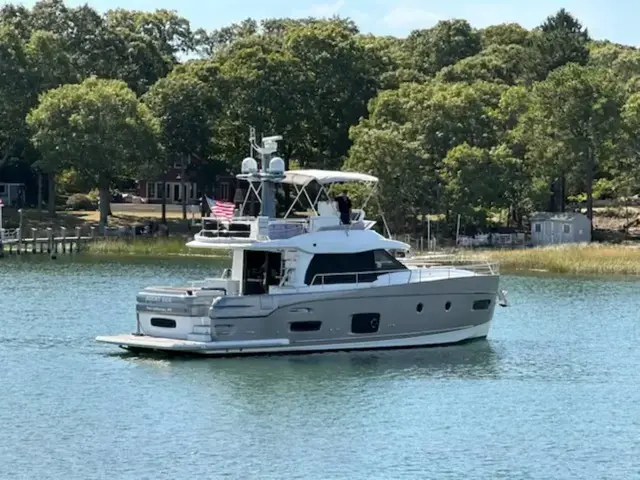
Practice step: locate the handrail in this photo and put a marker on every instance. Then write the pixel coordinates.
(9, 234)
(477, 269)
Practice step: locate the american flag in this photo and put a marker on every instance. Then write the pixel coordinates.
(221, 209)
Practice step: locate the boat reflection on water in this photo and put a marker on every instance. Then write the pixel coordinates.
(478, 359)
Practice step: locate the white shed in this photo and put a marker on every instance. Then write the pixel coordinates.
(564, 227)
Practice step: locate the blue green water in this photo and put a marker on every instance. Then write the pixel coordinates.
(553, 394)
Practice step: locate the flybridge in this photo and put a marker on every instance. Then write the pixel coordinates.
(263, 174)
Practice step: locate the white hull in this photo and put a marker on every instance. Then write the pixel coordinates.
(253, 347)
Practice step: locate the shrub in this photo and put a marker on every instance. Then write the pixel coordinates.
(80, 201)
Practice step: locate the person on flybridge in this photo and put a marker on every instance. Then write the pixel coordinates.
(344, 207)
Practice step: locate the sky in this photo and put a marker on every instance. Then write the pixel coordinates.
(615, 20)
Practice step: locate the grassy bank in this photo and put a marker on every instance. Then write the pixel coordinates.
(156, 247)
(590, 259)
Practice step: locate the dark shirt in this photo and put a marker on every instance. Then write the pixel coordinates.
(344, 205)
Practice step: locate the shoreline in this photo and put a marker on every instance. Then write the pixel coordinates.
(570, 259)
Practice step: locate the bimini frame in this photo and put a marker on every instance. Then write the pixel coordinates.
(301, 179)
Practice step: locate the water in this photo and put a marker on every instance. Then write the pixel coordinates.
(553, 393)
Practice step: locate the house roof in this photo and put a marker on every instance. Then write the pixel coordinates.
(557, 216)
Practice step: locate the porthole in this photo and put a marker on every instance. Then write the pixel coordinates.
(447, 306)
(419, 308)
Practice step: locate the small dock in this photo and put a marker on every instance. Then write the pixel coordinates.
(44, 241)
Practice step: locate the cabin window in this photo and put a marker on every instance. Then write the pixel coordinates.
(363, 323)
(566, 228)
(211, 224)
(537, 228)
(163, 323)
(332, 268)
(308, 326)
(481, 304)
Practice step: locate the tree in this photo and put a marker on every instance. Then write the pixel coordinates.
(185, 109)
(472, 182)
(398, 165)
(98, 128)
(562, 40)
(505, 34)
(16, 93)
(445, 44)
(510, 64)
(576, 116)
(338, 82)
(433, 119)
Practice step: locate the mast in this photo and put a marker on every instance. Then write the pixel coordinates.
(268, 172)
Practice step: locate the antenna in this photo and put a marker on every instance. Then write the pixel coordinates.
(267, 171)
(252, 140)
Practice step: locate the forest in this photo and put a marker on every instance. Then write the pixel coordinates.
(491, 124)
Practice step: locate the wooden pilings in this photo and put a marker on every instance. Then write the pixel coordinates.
(46, 241)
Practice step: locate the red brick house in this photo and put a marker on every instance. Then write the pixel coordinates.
(152, 189)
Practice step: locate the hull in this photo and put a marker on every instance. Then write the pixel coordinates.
(438, 312)
(142, 344)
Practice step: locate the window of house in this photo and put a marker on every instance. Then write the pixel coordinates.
(566, 228)
(151, 190)
(223, 191)
(331, 268)
(3, 189)
(537, 228)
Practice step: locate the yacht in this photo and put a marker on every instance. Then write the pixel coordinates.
(314, 285)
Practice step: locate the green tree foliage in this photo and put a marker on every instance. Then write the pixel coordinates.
(99, 129)
(445, 44)
(576, 116)
(562, 40)
(490, 123)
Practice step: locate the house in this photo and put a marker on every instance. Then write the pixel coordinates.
(152, 189)
(12, 194)
(549, 228)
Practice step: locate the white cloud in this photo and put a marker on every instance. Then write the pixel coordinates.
(409, 16)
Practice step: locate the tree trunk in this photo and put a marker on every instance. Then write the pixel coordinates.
(589, 174)
(164, 201)
(183, 192)
(51, 178)
(105, 205)
(40, 192)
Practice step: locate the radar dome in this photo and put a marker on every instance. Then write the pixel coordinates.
(276, 165)
(249, 165)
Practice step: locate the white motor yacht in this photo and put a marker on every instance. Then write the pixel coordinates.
(314, 285)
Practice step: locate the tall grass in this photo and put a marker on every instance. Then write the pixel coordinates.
(577, 259)
(155, 247)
